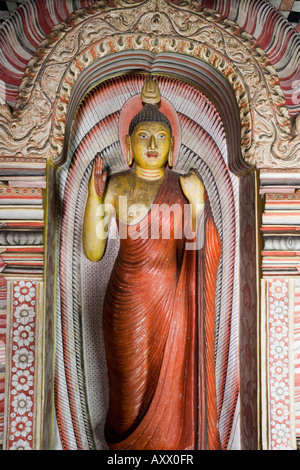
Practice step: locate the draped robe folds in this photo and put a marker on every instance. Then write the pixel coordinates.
(158, 325)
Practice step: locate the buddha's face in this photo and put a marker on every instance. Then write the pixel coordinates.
(150, 144)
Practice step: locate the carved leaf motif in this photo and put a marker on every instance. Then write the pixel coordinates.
(154, 23)
(38, 110)
(5, 114)
(95, 32)
(37, 139)
(65, 49)
(237, 54)
(251, 75)
(283, 149)
(210, 35)
(50, 80)
(120, 21)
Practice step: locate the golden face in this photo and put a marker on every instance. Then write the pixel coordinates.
(150, 144)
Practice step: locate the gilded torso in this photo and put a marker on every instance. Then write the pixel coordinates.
(131, 196)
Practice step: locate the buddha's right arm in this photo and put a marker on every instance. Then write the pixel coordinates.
(95, 224)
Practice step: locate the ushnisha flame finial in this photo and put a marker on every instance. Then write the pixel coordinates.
(150, 93)
(150, 96)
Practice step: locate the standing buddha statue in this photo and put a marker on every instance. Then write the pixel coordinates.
(159, 306)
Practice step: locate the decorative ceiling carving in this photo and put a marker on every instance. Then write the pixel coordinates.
(33, 21)
(37, 125)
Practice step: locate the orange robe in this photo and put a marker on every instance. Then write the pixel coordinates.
(158, 325)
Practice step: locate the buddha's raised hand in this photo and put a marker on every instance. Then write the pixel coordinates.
(98, 178)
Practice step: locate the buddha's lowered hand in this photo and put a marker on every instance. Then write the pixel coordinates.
(193, 189)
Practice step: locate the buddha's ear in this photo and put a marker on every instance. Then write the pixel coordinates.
(170, 157)
(129, 150)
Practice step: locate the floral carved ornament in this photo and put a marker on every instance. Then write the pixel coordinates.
(37, 125)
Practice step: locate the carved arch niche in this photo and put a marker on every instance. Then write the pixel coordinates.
(230, 105)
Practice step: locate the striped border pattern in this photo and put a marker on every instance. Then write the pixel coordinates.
(87, 135)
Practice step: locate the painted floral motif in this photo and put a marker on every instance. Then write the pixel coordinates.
(280, 435)
(22, 380)
(23, 335)
(279, 369)
(22, 365)
(279, 379)
(278, 309)
(23, 358)
(24, 314)
(280, 412)
(22, 404)
(279, 330)
(280, 391)
(21, 426)
(24, 291)
(20, 445)
(278, 289)
(278, 349)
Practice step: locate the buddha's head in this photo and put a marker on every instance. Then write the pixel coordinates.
(149, 141)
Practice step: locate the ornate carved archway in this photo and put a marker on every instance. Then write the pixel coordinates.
(75, 47)
(177, 39)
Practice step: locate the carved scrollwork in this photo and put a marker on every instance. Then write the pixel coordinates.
(37, 125)
(5, 113)
(287, 150)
